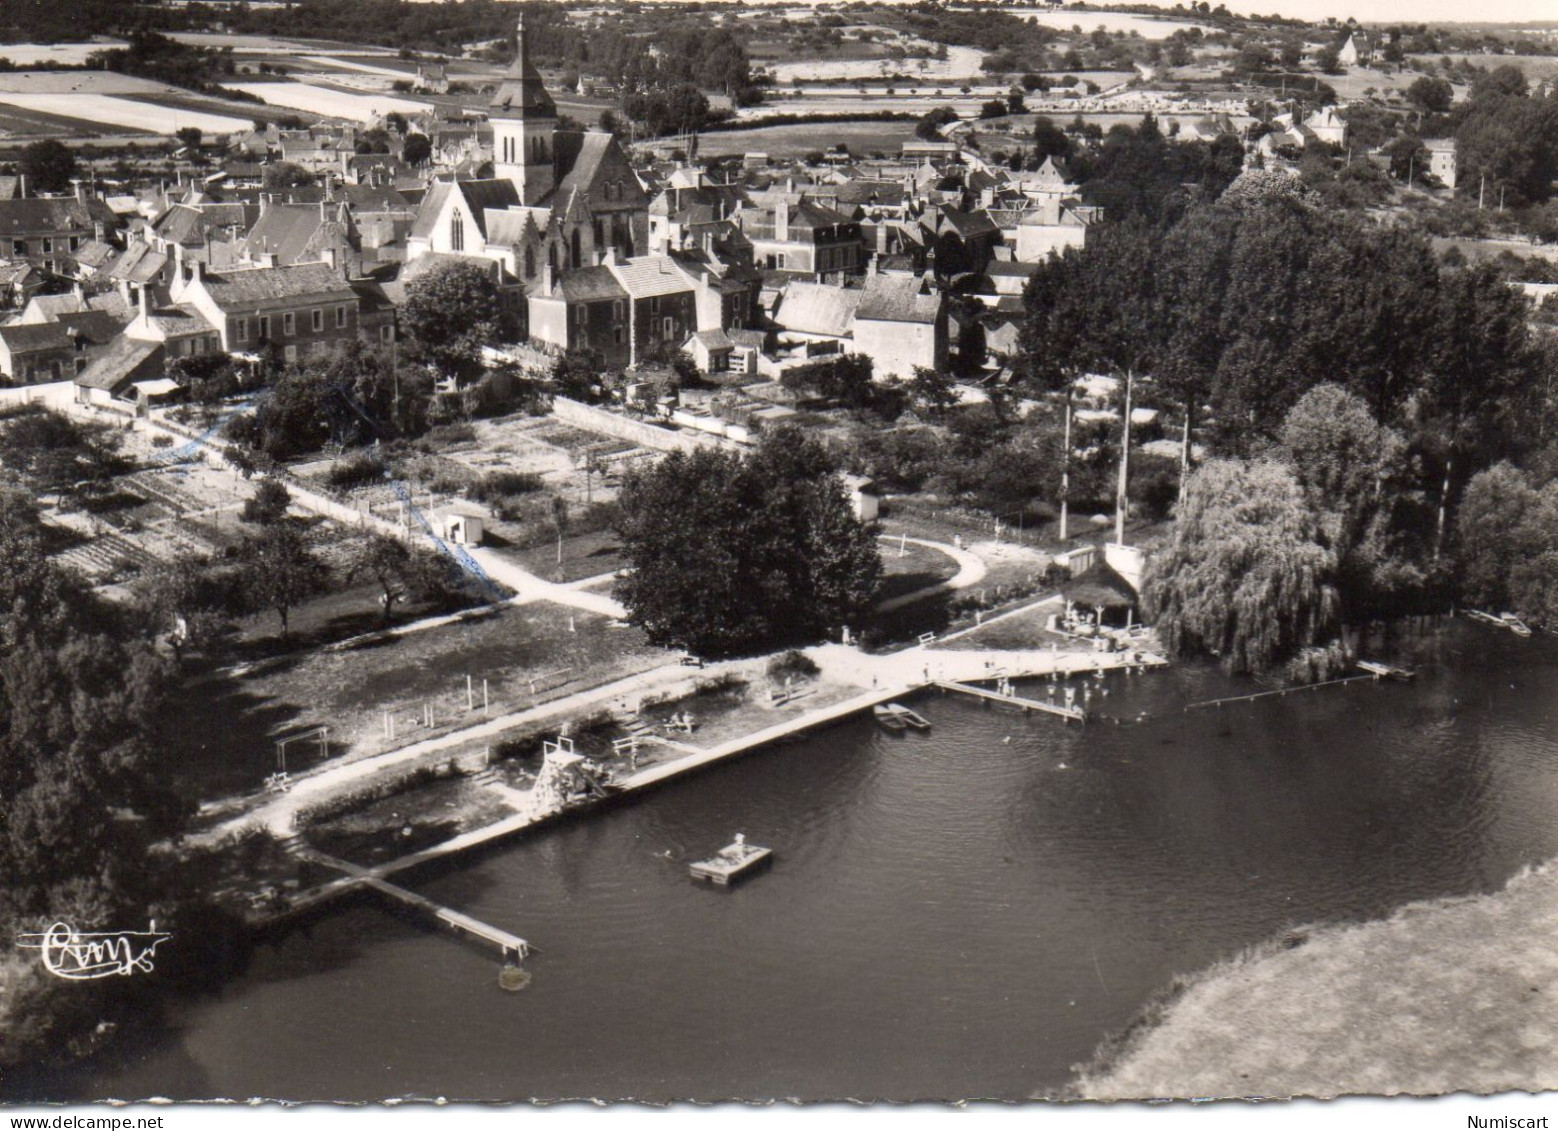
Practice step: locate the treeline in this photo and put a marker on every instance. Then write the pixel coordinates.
(1230, 313)
(153, 56)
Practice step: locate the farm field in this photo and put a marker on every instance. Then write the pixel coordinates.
(201, 104)
(329, 103)
(960, 63)
(966, 105)
(782, 142)
(77, 82)
(65, 54)
(126, 113)
(16, 122)
(1148, 27)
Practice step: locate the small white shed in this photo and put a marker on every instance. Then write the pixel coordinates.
(462, 527)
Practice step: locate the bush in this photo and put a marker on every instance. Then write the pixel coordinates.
(505, 484)
(355, 470)
(792, 664)
(162, 440)
(460, 433)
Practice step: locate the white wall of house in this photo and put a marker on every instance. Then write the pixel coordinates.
(1037, 242)
(895, 348)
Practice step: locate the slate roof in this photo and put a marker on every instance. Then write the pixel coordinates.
(138, 264)
(121, 363)
(649, 275)
(817, 308)
(590, 284)
(493, 194)
(36, 215)
(96, 253)
(578, 160)
(892, 298)
(238, 290)
(94, 326)
(288, 231)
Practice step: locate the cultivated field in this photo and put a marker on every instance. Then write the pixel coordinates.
(65, 54)
(960, 63)
(77, 82)
(1148, 27)
(126, 113)
(329, 103)
(783, 142)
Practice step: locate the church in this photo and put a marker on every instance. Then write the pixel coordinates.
(558, 199)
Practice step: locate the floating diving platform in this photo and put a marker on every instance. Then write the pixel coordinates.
(735, 861)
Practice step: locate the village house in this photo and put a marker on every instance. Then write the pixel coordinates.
(900, 326)
(796, 235)
(304, 309)
(1051, 228)
(46, 231)
(53, 351)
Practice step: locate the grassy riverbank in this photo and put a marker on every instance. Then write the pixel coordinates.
(1443, 996)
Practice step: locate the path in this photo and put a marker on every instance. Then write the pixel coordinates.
(971, 571)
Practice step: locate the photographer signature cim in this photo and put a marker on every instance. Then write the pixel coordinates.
(84, 955)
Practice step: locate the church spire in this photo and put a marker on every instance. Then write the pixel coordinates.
(522, 94)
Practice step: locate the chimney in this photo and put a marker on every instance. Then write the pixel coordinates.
(881, 237)
(782, 220)
(21, 183)
(145, 302)
(79, 187)
(199, 269)
(610, 258)
(324, 207)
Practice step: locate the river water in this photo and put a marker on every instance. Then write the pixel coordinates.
(960, 914)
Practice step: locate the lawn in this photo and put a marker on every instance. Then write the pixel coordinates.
(1020, 633)
(584, 555)
(914, 567)
(408, 822)
(1445, 996)
(225, 730)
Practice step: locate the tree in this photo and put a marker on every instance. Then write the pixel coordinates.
(928, 128)
(191, 599)
(189, 137)
(285, 175)
(280, 571)
(387, 561)
(451, 313)
(416, 150)
(48, 166)
(932, 391)
(1431, 94)
(1493, 534)
(577, 374)
(1050, 140)
(1245, 576)
(1329, 60)
(396, 121)
(268, 504)
(733, 554)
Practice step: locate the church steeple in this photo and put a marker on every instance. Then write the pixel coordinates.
(524, 120)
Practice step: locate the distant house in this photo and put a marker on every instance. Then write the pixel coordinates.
(1357, 51)
(46, 231)
(1051, 228)
(432, 78)
(1327, 126)
(1442, 161)
(19, 281)
(798, 235)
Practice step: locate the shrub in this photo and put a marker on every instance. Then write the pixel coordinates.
(505, 485)
(458, 433)
(792, 664)
(162, 440)
(355, 470)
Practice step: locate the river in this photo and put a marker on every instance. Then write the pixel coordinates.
(960, 914)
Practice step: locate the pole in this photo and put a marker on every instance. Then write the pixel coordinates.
(1120, 501)
(484, 695)
(470, 695)
(1065, 468)
(1482, 189)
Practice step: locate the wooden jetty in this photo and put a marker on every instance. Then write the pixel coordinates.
(895, 716)
(1278, 692)
(1070, 714)
(733, 862)
(506, 942)
(1386, 671)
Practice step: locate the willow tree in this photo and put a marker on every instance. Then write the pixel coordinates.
(1246, 576)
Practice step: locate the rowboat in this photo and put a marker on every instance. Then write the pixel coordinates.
(1507, 621)
(895, 716)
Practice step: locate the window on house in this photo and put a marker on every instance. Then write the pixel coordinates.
(386, 334)
(290, 353)
(48, 246)
(75, 242)
(18, 247)
(670, 327)
(551, 256)
(456, 231)
(241, 329)
(264, 327)
(289, 324)
(578, 258)
(340, 318)
(616, 334)
(319, 320)
(654, 304)
(616, 310)
(583, 315)
(530, 262)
